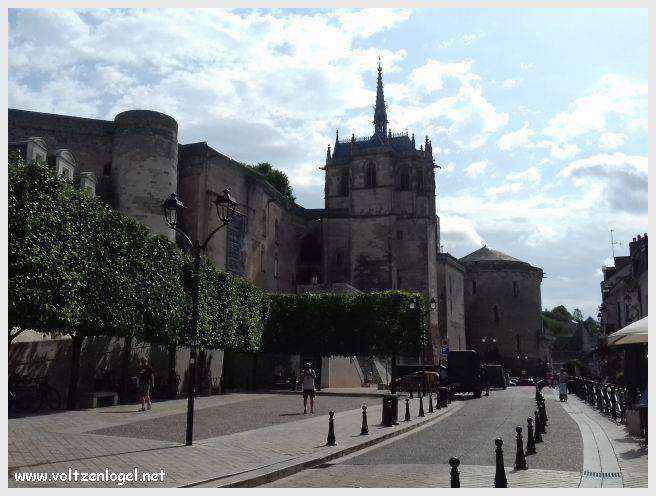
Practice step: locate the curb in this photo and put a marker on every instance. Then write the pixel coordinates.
(264, 475)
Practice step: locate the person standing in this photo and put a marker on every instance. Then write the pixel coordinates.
(485, 379)
(146, 382)
(306, 379)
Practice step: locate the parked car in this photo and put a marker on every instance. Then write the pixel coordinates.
(526, 381)
(513, 381)
(416, 381)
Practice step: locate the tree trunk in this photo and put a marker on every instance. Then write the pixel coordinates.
(76, 348)
(125, 366)
(173, 383)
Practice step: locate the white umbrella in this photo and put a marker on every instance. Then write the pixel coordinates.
(635, 332)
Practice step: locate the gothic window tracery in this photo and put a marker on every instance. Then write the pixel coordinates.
(370, 175)
(405, 181)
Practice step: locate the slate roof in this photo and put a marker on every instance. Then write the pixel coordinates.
(487, 254)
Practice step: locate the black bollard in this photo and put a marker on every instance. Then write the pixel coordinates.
(538, 433)
(455, 475)
(430, 403)
(544, 412)
(500, 474)
(407, 410)
(530, 440)
(411, 393)
(421, 405)
(331, 430)
(365, 427)
(520, 458)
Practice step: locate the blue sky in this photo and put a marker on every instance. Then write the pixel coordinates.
(537, 116)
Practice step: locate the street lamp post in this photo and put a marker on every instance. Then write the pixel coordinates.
(172, 209)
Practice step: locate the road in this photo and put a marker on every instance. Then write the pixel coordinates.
(468, 434)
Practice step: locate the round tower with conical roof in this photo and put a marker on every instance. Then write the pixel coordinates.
(503, 310)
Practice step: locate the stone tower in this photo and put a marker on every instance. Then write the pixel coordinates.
(380, 225)
(145, 165)
(503, 309)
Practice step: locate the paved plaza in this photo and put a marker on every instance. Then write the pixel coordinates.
(264, 439)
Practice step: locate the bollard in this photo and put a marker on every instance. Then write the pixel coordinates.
(331, 430)
(407, 410)
(411, 392)
(455, 475)
(421, 406)
(520, 458)
(530, 440)
(543, 418)
(365, 427)
(430, 403)
(500, 475)
(538, 433)
(544, 413)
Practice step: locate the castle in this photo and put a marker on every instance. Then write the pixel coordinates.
(378, 229)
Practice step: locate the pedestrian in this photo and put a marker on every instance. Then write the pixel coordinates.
(485, 379)
(306, 379)
(562, 385)
(146, 381)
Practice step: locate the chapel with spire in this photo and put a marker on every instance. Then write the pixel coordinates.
(380, 229)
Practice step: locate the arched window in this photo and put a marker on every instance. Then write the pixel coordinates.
(518, 342)
(338, 259)
(276, 232)
(370, 175)
(515, 289)
(496, 315)
(405, 181)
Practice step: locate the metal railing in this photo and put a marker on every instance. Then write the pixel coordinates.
(610, 399)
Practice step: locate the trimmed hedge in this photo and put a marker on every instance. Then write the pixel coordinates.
(376, 324)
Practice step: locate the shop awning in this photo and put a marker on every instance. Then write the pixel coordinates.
(635, 332)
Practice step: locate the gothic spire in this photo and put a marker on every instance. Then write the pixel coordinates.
(380, 112)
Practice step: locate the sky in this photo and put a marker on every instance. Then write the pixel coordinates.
(537, 117)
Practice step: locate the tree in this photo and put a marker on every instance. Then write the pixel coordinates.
(277, 179)
(577, 315)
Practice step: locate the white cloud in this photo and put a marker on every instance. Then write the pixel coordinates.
(476, 168)
(448, 168)
(532, 174)
(504, 188)
(623, 178)
(430, 76)
(515, 139)
(610, 141)
(469, 38)
(563, 151)
(525, 66)
(457, 231)
(614, 96)
(509, 83)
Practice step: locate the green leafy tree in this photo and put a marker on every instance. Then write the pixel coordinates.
(277, 179)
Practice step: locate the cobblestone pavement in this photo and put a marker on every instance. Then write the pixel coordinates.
(57, 443)
(221, 420)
